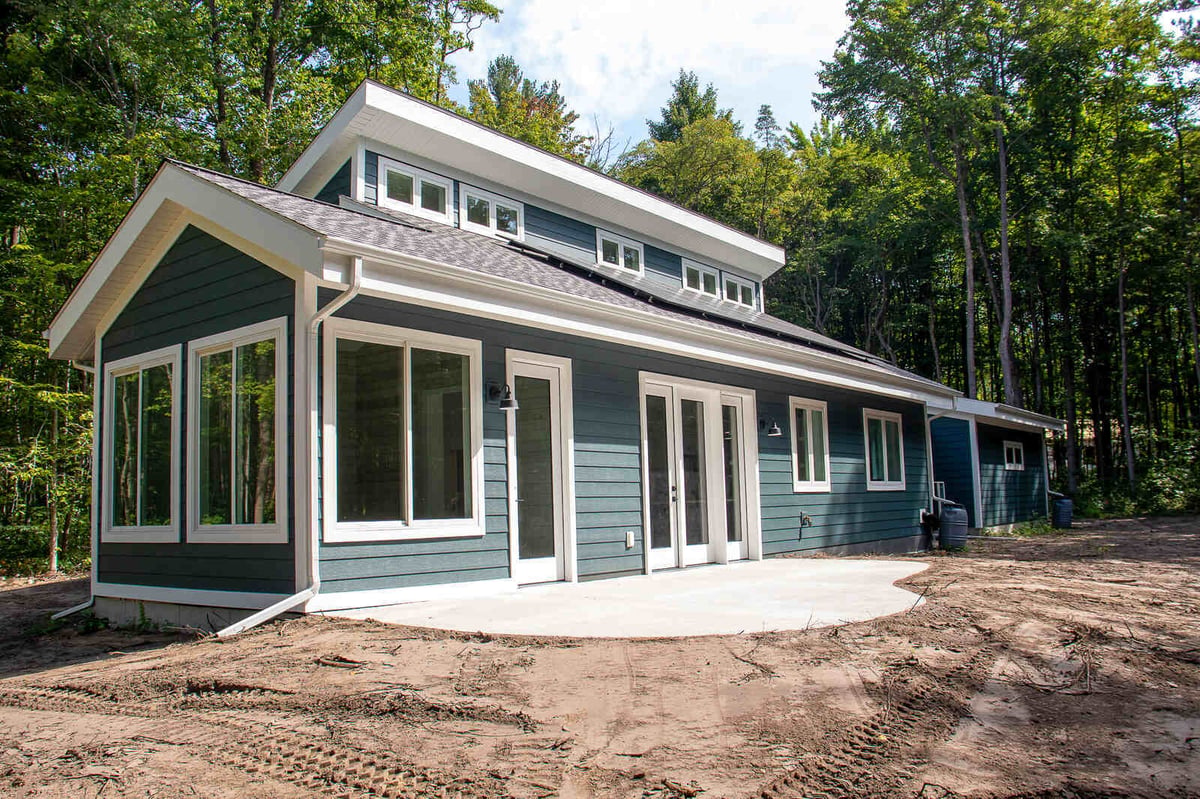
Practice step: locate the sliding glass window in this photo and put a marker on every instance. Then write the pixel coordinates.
(402, 433)
(141, 444)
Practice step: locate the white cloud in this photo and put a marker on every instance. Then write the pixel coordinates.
(616, 59)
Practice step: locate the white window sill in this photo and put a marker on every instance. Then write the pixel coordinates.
(140, 535)
(812, 488)
(391, 531)
(1014, 468)
(238, 534)
(885, 486)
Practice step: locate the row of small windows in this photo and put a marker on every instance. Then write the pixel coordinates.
(424, 194)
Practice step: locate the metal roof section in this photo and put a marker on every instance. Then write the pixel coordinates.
(1001, 415)
(383, 114)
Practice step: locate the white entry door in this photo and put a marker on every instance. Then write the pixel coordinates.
(696, 486)
(541, 506)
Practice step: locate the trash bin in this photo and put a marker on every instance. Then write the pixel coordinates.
(953, 527)
(1061, 514)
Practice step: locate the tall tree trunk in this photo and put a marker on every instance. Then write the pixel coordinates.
(1195, 330)
(1126, 432)
(52, 503)
(964, 219)
(1008, 363)
(933, 342)
(220, 89)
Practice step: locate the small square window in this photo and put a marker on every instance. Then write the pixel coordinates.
(617, 251)
(433, 197)
(693, 278)
(479, 211)
(747, 295)
(710, 284)
(1014, 456)
(508, 220)
(399, 187)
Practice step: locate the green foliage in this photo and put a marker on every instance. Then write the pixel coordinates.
(686, 106)
(533, 112)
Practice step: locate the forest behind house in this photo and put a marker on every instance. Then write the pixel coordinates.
(1001, 195)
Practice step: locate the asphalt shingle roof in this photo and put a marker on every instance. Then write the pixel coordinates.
(416, 237)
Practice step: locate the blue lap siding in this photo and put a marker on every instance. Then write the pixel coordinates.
(608, 463)
(337, 186)
(952, 461)
(202, 287)
(1010, 496)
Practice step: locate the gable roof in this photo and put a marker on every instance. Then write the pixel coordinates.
(381, 113)
(409, 235)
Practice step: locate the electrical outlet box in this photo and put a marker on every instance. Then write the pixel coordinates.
(629, 539)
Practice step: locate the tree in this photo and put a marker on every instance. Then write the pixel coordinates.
(524, 109)
(686, 106)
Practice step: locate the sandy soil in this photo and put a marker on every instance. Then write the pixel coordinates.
(1064, 665)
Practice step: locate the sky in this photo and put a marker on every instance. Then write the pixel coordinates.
(615, 59)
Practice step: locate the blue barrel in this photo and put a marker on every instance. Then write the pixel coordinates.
(1061, 514)
(953, 529)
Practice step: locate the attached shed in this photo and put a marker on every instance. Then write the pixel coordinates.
(992, 459)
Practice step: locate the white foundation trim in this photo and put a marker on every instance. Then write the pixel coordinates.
(186, 596)
(372, 598)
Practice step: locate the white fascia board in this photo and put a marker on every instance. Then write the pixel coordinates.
(382, 114)
(437, 285)
(126, 259)
(334, 140)
(1001, 415)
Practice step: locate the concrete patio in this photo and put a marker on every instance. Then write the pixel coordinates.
(747, 597)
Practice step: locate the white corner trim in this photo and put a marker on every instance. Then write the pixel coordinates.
(884, 416)
(400, 529)
(276, 533)
(187, 596)
(810, 486)
(135, 364)
(381, 597)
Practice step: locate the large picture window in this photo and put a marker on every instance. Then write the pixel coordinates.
(885, 450)
(141, 448)
(236, 435)
(403, 434)
(810, 445)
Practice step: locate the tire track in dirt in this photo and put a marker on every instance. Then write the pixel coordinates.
(852, 768)
(323, 766)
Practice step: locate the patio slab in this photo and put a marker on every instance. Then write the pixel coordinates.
(748, 597)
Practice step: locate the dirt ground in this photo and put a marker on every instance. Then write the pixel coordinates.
(1064, 665)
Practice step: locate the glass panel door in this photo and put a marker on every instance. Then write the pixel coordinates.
(695, 481)
(660, 478)
(731, 463)
(538, 483)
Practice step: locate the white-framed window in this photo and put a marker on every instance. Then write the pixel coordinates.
(701, 278)
(810, 445)
(140, 469)
(1014, 456)
(490, 214)
(884, 435)
(403, 434)
(414, 191)
(739, 291)
(618, 251)
(237, 435)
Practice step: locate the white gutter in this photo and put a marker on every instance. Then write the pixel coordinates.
(314, 586)
(62, 614)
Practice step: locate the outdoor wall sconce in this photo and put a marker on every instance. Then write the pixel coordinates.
(503, 397)
(769, 425)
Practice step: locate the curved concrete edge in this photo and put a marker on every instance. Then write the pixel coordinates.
(774, 595)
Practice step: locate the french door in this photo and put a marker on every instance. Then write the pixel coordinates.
(700, 494)
(541, 505)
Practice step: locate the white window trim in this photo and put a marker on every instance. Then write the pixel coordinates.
(622, 243)
(492, 198)
(809, 486)
(419, 176)
(399, 530)
(276, 533)
(148, 534)
(741, 283)
(1019, 447)
(703, 270)
(886, 416)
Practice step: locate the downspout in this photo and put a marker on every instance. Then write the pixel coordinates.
(933, 498)
(314, 325)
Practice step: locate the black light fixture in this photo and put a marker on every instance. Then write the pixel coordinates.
(503, 397)
(770, 426)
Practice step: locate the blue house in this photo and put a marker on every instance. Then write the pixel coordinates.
(436, 361)
(991, 458)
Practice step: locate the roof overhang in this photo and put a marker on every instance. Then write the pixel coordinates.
(1001, 415)
(383, 114)
(172, 200)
